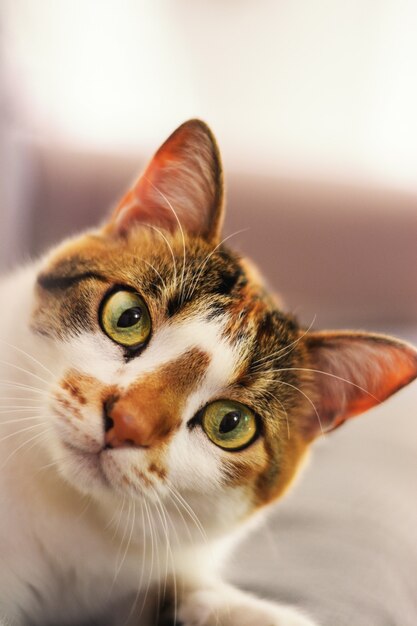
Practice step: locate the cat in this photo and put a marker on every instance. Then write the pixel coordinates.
(155, 400)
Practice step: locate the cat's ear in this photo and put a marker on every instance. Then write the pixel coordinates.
(353, 372)
(182, 185)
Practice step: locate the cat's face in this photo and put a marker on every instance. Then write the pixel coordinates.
(175, 369)
(140, 418)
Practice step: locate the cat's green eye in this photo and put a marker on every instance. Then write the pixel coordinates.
(125, 318)
(228, 424)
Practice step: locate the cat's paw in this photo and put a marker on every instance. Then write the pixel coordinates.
(225, 606)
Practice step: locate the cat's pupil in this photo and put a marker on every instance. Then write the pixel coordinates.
(130, 317)
(229, 422)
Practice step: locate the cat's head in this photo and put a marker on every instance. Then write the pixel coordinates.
(175, 368)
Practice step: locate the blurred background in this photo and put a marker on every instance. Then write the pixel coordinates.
(314, 103)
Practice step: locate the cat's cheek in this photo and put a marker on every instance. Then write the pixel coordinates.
(76, 410)
(93, 355)
(193, 461)
(72, 433)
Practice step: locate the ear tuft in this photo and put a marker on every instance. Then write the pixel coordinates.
(181, 188)
(352, 372)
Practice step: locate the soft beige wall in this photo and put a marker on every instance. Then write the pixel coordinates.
(324, 87)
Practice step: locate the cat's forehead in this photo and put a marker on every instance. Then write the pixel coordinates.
(148, 258)
(181, 279)
(173, 273)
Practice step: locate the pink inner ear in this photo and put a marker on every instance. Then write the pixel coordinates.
(358, 372)
(180, 188)
(138, 207)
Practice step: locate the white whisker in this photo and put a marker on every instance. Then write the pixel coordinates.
(21, 419)
(284, 409)
(168, 540)
(84, 509)
(25, 443)
(344, 380)
(22, 430)
(22, 386)
(29, 356)
(187, 508)
(121, 561)
(165, 528)
(25, 371)
(152, 558)
(19, 398)
(111, 520)
(142, 572)
(163, 196)
(208, 257)
(17, 409)
(181, 516)
(137, 258)
(169, 247)
(285, 350)
(54, 463)
(281, 382)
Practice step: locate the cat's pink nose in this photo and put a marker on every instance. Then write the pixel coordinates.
(125, 426)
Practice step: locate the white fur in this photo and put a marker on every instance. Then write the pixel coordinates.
(95, 355)
(222, 604)
(70, 529)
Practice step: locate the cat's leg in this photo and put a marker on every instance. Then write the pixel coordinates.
(223, 605)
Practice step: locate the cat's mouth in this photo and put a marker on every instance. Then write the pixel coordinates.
(88, 463)
(114, 470)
